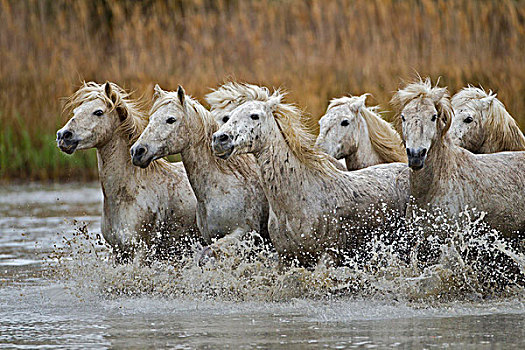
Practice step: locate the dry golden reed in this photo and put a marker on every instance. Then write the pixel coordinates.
(316, 49)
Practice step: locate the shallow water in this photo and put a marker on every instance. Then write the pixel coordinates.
(83, 301)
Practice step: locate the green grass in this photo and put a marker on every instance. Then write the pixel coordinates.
(25, 157)
(36, 157)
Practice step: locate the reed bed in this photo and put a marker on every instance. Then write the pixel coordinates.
(316, 49)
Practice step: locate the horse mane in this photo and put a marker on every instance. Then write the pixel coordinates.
(499, 126)
(384, 138)
(300, 140)
(202, 126)
(232, 94)
(136, 119)
(423, 89)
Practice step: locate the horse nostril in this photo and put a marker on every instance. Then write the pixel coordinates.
(423, 152)
(223, 138)
(66, 135)
(140, 151)
(408, 152)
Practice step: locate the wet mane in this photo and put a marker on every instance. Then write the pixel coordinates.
(384, 138)
(420, 90)
(232, 94)
(202, 125)
(500, 128)
(136, 119)
(298, 137)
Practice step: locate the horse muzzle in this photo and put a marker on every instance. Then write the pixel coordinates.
(140, 156)
(416, 158)
(222, 145)
(66, 141)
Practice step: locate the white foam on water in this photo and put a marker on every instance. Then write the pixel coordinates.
(471, 266)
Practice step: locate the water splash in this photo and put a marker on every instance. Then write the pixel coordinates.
(464, 260)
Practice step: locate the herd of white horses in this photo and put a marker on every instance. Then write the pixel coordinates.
(249, 164)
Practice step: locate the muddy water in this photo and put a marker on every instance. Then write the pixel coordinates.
(58, 290)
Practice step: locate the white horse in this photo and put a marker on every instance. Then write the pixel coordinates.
(482, 124)
(451, 178)
(231, 95)
(316, 210)
(230, 200)
(353, 131)
(155, 206)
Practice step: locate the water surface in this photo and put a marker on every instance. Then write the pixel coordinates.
(84, 301)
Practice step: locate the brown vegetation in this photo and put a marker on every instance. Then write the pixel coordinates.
(316, 49)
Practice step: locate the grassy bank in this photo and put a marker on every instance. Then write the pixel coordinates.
(316, 49)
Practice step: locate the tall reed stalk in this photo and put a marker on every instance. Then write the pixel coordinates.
(316, 49)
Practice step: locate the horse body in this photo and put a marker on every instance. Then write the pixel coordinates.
(454, 179)
(229, 196)
(316, 209)
(155, 206)
(450, 178)
(318, 214)
(482, 124)
(137, 207)
(352, 131)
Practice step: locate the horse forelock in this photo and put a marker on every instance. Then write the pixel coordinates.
(232, 94)
(422, 89)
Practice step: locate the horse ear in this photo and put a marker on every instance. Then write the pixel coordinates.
(487, 101)
(359, 103)
(108, 90)
(158, 92)
(181, 94)
(437, 94)
(273, 101)
(112, 95)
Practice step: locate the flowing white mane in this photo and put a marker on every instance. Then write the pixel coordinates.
(297, 136)
(231, 95)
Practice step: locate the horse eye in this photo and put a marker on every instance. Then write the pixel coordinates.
(225, 119)
(98, 112)
(254, 116)
(434, 117)
(403, 117)
(345, 122)
(468, 120)
(170, 120)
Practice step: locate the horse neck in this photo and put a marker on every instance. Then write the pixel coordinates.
(365, 154)
(284, 177)
(200, 166)
(114, 165)
(440, 164)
